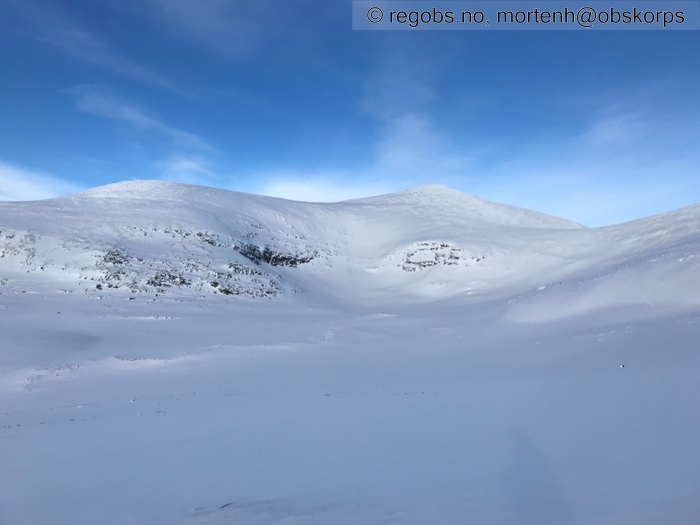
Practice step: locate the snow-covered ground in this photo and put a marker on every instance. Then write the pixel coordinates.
(171, 354)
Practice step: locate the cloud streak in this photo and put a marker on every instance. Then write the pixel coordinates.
(20, 184)
(410, 152)
(191, 169)
(319, 186)
(410, 149)
(59, 29)
(231, 28)
(629, 160)
(100, 103)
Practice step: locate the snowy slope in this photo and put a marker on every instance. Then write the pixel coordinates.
(157, 237)
(172, 354)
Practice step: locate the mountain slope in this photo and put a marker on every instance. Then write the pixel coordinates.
(176, 355)
(150, 237)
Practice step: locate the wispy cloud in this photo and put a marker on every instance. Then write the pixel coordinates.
(232, 28)
(90, 48)
(190, 157)
(61, 30)
(99, 102)
(632, 158)
(319, 187)
(409, 149)
(183, 167)
(20, 184)
(617, 129)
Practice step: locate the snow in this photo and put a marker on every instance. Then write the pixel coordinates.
(437, 359)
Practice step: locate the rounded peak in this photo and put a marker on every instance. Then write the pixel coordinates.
(135, 189)
(430, 188)
(433, 200)
(438, 200)
(166, 191)
(426, 189)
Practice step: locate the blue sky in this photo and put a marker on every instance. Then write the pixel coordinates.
(282, 97)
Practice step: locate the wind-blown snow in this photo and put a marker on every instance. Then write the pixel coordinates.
(172, 354)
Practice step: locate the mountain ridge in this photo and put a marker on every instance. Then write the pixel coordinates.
(424, 243)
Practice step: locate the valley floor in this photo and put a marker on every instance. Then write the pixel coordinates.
(275, 412)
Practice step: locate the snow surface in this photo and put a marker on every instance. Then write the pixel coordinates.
(172, 354)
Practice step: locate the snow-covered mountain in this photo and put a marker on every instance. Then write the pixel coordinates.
(180, 355)
(430, 242)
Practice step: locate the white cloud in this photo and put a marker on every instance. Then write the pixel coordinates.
(622, 167)
(321, 188)
(232, 28)
(617, 129)
(98, 102)
(629, 162)
(412, 148)
(19, 184)
(192, 169)
(410, 152)
(89, 47)
(398, 88)
(59, 29)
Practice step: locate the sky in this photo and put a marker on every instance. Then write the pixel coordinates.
(283, 98)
